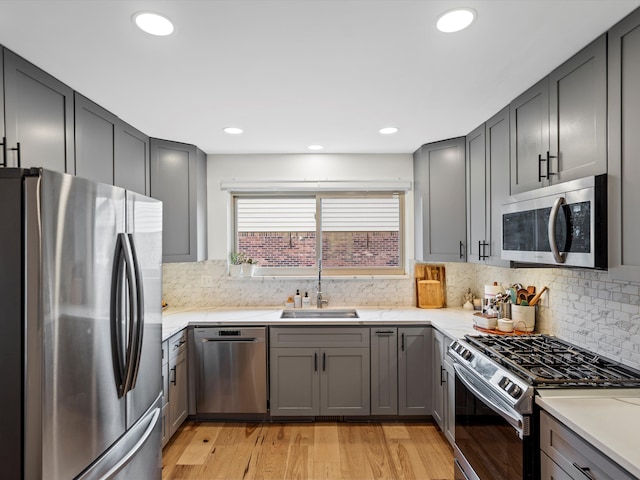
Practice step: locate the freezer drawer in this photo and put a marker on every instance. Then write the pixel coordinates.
(231, 370)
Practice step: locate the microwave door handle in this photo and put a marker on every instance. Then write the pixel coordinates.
(515, 422)
(559, 257)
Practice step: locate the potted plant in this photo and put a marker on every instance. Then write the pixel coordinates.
(236, 259)
(248, 267)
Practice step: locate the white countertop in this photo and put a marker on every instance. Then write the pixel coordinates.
(454, 322)
(607, 419)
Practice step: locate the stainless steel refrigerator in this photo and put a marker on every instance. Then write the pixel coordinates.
(80, 333)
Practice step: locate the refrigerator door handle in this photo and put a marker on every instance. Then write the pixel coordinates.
(133, 309)
(117, 347)
(139, 317)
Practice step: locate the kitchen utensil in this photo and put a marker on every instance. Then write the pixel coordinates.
(505, 325)
(484, 322)
(531, 289)
(430, 286)
(524, 318)
(537, 296)
(522, 294)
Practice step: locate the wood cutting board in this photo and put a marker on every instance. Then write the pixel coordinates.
(430, 286)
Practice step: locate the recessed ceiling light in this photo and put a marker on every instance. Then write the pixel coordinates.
(455, 20)
(153, 23)
(388, 130)
(315, 147)
(233, 130)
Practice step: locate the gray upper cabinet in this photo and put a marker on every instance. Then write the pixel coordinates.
(477, 247)
(558, 126)
(131, 164)
(439, 201)
(578, 115)
(624, 145)
(414, 371)
(529, 116)
(2, 130)
(34, 102)
(178, 178)
(95, 139)
(487, 189)
(109, 150)
(498, 188)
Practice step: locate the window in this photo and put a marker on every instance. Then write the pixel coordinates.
(355, 233)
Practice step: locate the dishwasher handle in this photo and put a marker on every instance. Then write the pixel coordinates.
(232, 340)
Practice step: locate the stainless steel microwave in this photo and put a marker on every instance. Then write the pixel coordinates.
(559, 225)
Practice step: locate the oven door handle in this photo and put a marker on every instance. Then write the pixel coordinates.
(511, 418)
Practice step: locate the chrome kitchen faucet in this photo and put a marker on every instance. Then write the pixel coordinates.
(321, 301)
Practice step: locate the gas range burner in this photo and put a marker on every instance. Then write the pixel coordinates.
(542, 360)
(546, 372)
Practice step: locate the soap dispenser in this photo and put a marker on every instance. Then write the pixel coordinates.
(297, 300)
(306, 301)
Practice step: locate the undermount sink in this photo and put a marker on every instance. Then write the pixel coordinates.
(329, 313)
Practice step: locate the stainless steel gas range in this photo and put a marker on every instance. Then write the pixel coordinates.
(497, 377)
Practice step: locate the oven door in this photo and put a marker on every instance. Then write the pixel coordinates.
(492, 440)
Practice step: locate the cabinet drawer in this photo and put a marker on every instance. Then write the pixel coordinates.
(319, 337)
(574, 455)
(177, 344)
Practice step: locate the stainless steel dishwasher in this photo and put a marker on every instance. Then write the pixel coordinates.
(231, 370)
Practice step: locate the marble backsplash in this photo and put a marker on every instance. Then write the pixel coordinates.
(207, 284)
(582, 306)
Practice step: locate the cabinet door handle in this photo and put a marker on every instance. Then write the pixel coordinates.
(315, 362)
(584, 470)
(4, 152)
(540, 160)
(443, 378)
(324, 361)
(548, 160)
(482, 248)
(461, 249)
(16, 149)
(402, 342)
(175, 375)
(549, 172)
(384, 332)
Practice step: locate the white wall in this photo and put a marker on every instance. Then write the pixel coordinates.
(327, 167)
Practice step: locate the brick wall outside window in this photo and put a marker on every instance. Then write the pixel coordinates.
(341, 249)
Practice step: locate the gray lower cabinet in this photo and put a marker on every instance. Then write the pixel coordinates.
(179, 179)
(35, 102)
(165, 392)
(384, 371)
(568, 456)
(95, 131)
(319, 371)
(414, 371)
(439, 201)
(177, 379)
(559, 125)
(624, 145)
(131, 163)
(443, 386)
(487, 189)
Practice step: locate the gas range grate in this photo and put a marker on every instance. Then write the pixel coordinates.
(544, 360)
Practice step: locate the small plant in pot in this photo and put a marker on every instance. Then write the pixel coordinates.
(248, 267)
(236, 259)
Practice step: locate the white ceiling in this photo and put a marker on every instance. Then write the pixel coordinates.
(296, 72)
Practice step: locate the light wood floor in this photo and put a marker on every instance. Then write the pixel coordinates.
(318, 451)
